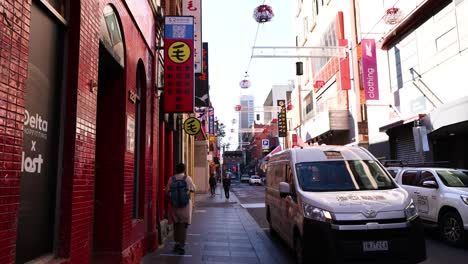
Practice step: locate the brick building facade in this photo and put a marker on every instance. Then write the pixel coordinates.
(79, 130)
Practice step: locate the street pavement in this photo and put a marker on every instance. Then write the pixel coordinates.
(222, 231)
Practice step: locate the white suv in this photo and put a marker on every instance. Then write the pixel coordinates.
(441, 196)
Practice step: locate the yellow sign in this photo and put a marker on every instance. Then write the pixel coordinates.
(179, 52)
(192, 126)
(212, 138)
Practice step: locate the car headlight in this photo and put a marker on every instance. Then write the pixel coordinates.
(411, 211)
(316, 213)
(464, 198)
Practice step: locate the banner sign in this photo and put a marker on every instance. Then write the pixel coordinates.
(369, 69)
(193, 8)
(200, 113)
(211, 123)
(282, 126)
(202, 97)
(178, 65)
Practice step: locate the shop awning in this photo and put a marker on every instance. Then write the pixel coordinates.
(275, 150)
(401, 122)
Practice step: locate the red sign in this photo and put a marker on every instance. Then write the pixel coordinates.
(178, 66)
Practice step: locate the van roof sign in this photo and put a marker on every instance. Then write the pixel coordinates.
(333, 155)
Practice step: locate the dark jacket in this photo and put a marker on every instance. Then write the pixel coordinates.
(212, 180)
(226, 182)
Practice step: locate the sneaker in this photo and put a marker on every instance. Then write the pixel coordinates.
(181, 251)
(176, 248)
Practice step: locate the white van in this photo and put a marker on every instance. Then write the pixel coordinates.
(335, 204)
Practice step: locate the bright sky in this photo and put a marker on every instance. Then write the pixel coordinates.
(229, 28)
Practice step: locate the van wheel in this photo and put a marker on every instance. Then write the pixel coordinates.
(451, 228)
(299, 249)
(270, 226)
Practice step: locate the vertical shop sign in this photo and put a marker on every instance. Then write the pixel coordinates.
(193, 8)
(282, 127)
(211, 125)
(130, 134)
(178, 65)
(202, 97)
(369, 69)
(201, 116)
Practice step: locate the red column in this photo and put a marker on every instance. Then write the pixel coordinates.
(169, 157)
(161, 179)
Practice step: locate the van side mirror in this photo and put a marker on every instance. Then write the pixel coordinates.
(430, 184)
(284, 189)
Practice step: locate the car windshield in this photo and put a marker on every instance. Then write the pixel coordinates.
(255, 177)
(343, 175)
(453, 178)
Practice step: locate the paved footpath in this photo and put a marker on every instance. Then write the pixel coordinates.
(221, 232)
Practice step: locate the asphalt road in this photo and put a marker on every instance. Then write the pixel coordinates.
(252, 198)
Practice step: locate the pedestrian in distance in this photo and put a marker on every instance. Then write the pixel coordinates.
(179, 188)
(212, 185)
(226, 185)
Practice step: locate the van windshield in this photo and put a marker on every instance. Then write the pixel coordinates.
(342, 175)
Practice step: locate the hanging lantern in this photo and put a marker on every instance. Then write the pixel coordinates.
(238, 108)
(244, 84)
(289, 107)
(263, 13)
(393, 16)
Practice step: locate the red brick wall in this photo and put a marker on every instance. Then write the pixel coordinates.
(14, 39)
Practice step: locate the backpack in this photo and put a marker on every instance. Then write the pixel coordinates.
(179, 192)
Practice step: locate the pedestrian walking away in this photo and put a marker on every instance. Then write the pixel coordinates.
(179, 188)
(212, 184)
(226, 185)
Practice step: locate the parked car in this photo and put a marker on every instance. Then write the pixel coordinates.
(244, 178)
(441, 196)
(337, 203)
(255, 179)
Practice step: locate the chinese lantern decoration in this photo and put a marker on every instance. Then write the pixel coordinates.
(289, 107)
(244, 84)
(238, 108)
(393, 16)
(319, 84)
(263, 13)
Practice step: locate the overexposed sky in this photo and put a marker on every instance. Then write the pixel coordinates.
(229, 28)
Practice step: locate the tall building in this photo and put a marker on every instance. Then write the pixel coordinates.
(277, 92)
(247, 114)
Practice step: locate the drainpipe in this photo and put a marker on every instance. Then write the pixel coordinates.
(355, 99)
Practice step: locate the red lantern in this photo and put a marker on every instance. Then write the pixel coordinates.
(289, 107)
(244, 84)
(319, 84)
(393, 16)
(238, 108)
(263, 13)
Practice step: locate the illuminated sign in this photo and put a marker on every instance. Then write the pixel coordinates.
(178, 65)
(282, 126)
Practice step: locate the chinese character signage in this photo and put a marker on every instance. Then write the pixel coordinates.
(178, 65)
(202, 96)
(193, 8)
(282, 127)
(192, 126)
(369, 69)
(200, 113)
(211, 123)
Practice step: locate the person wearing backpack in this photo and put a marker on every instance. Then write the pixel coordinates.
(179, 188)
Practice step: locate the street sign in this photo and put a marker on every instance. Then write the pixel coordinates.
(265, 143)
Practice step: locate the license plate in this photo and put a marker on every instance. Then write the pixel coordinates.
(375, 245)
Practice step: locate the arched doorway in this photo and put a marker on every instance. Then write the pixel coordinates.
(110, 137)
